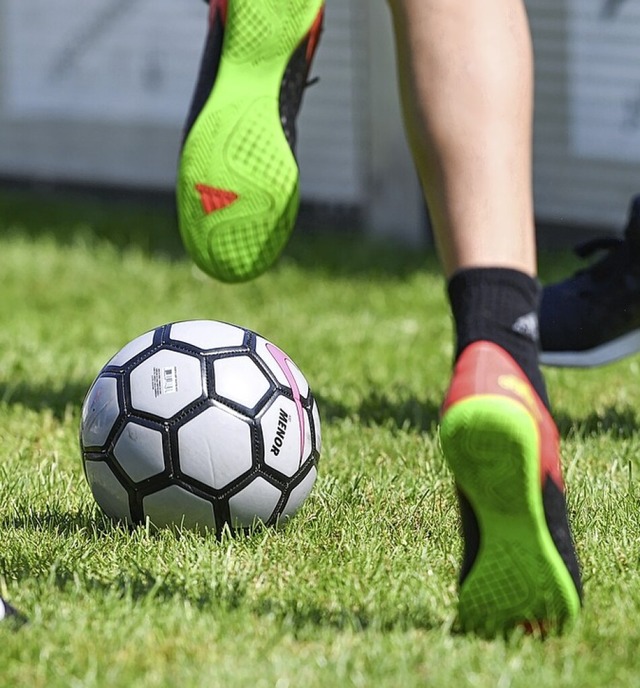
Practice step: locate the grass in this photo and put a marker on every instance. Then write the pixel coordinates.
(360, 588)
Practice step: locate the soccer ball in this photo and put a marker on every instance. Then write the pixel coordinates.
(200, 424)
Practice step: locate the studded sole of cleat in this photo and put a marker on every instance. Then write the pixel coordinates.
(237, 148)
(518, 577)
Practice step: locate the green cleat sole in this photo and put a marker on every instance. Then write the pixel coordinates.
(518, 578)
(237, 187)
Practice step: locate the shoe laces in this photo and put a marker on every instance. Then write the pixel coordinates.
(622, 260)
(295, 82)
(620, 265)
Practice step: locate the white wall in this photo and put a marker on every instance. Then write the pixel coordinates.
(587, 127)
(97, 92)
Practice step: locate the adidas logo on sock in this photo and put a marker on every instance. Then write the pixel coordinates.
(527, 325)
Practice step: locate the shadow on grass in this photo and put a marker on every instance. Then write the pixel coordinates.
(58, 522)
(353, 255)
(623, 423)
(68, 215)
(148, 221)
(378, 409)
(42, 398)
(423, 415)
(303, 617)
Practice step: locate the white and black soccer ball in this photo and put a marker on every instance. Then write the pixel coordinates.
(199, 424)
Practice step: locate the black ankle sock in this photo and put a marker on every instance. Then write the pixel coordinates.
(499, 305)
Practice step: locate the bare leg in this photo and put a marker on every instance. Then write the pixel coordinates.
(466, 84)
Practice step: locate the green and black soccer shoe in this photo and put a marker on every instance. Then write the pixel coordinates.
(237, 187)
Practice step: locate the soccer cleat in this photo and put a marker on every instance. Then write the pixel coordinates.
(519, 566)
(237, 187)
(593, 317)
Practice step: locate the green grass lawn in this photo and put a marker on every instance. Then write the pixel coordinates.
(360, 588)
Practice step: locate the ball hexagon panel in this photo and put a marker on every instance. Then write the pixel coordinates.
(253, 503)
(207, 334)
(166, 383)
(299, 494)
(175, 506)
(100, 411)
(132, 349)
(286, 434)
(285, 370)
(215, 447)
(238, 379)
(139, 451)
(107, 490)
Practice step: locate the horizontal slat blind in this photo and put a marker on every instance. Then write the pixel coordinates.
(97, 92)
(587, 126)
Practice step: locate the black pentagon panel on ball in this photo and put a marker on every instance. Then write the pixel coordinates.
(316, 427)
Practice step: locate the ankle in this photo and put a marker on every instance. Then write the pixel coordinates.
(499, 305)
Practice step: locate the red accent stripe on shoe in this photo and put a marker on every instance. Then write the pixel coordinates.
(486, 368)
(216, 6)
(314, 35)
(214, 199)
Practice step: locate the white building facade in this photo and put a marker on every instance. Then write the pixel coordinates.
(96, 92)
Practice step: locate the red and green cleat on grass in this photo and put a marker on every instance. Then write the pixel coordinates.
(519, 566)
(237, 187)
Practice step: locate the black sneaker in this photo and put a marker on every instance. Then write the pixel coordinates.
(593, 317)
